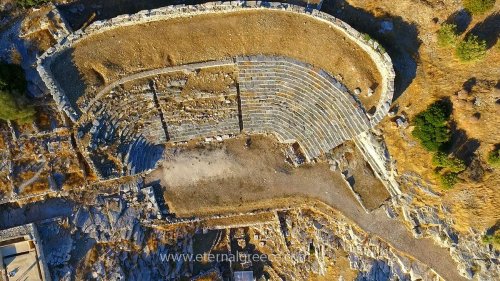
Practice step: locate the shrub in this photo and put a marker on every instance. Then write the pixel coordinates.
(477, 7)
(451, 163)
(14, 109)
(448, 180)
(431, 126)
(472, 48)
(447, 35)
(493, 239)
(13, 103)
(31, 3)
(494, 157)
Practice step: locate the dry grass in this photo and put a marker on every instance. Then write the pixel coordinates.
(440, 75)
(337, 269)
(239, 220)
(105, 57)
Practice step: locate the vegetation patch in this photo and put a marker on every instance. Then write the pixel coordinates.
(493, 239)
(447, 35)
(448, 180)
(494, 157)
(432, 126)
(31, 3)
(450, 163)
(433, 131)
(477, 7)
(471, 49)
(13, 102)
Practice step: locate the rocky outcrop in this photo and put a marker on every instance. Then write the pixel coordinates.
(475, 259)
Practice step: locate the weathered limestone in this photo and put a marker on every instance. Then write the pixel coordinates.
(121, 133)
(378, 157)
(276, 94)
(193, 110)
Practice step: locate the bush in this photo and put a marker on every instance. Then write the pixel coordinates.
(31, 3)
(448, 180)
(14, 109)
(451, 163)
(447, 35)
(472, 48)
(431, 126)
(13, 103)
(494, 157)
(492, 239)
(477, 7)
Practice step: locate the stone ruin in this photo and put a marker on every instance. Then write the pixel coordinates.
(122, 129)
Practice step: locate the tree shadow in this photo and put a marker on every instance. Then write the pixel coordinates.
(469, 84)
(77, 13)
(493, 228)
(398, 37)
(462, 146)
(461, 19)
(488, 30)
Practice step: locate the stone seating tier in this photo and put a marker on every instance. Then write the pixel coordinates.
(297, 103)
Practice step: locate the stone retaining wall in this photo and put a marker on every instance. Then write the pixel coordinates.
(381, 59)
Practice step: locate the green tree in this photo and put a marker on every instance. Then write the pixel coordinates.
(477, 7)
(447, 35)
(431, 126)
(13, 103)
(471, 49)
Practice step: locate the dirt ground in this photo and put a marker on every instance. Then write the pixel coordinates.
(105, 57)
(233, 177)
(372, 192)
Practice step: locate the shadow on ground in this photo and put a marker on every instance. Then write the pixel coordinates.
(488, 30)
(398, 37)
(462, 146)
(77, 13)
(461, 19)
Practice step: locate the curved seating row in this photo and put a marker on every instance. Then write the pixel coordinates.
(278, 95)
(297, 103)
(122, 134)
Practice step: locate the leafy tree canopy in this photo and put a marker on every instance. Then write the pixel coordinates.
(13, 103)
(431, 126)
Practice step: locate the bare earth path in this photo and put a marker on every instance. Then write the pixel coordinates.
(235, 179)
